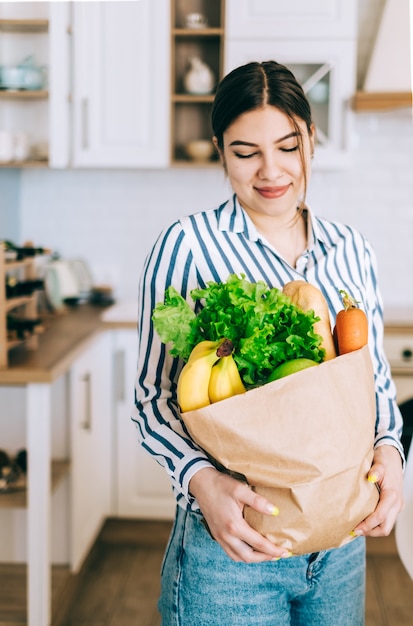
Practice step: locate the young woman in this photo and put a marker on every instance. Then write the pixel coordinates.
(232, 575)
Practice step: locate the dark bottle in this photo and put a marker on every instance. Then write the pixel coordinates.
(22, 252)
(23, 326)
(16, 288)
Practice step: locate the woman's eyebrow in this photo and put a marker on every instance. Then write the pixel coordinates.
(238, 142)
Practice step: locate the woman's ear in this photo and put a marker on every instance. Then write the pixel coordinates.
(312, 139)
(217, 148)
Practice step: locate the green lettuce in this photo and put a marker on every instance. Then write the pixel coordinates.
(265, 327)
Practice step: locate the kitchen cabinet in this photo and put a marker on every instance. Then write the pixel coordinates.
(32, 521)
(106, 104)
(200, 43)
(295, 19)
(324, 65)
(23, 111)
(91, 452)
(120, 84)
(143, 489)
(44, 400)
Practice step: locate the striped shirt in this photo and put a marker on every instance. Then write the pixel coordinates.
(209, 246)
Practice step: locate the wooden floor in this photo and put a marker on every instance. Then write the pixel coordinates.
(119, 585)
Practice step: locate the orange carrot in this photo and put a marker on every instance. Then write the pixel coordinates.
(351, 326)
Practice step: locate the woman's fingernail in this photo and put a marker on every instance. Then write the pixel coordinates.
(372, 478)
(272, 509)
(356, 533)
(286, 555)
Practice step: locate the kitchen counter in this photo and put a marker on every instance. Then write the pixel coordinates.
(65, 336)
(398, 320)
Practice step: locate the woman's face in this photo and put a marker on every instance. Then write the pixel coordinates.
(262, 159)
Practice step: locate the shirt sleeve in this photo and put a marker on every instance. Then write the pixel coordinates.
(156, 414)
(389, 421)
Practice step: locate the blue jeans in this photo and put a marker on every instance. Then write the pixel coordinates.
(202, 586)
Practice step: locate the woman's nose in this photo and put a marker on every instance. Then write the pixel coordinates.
(270, 168)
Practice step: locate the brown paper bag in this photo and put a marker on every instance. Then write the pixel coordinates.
(306, 443)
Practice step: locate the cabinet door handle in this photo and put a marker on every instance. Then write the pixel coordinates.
(87, 380)
(85, 123)
(119, 368)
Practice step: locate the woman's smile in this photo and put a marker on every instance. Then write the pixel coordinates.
(272, 192)
(266, 156)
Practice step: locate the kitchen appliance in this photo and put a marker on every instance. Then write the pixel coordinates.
(399, 350)
(67, 282)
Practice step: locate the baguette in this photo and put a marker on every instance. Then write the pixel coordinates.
(308, 297)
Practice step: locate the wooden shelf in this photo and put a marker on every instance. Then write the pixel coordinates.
(29, 304)
(16, 265)
(193, 163)
(197, 32)
(190, 113)
(381, 101)
(13, 303)
(188, 98)
(24, 94)
(18, 499)
(24, 26)
(25, 164)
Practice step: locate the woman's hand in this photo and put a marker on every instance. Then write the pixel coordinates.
(386, 471)
(222, 499)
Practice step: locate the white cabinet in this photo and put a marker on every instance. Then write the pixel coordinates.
(143, 489)
(24, 111)
(91, 435)
(322, 56)
(332, 67)
(107, 99)
(295, 19)
(120, 84)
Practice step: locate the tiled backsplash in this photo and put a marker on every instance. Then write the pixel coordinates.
(111, 218)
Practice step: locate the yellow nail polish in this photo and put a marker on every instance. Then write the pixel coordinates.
(372, 478)
(287, 556)
(355, 533)
(272, 509)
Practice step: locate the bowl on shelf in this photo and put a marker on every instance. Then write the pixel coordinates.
(200, 149)
(196, 20)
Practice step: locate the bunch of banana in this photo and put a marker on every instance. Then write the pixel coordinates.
(210, 375)
(193, 381)
(225, 380)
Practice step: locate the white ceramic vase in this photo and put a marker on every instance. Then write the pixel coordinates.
(199, 79)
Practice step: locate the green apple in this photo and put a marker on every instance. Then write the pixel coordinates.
(290, 367)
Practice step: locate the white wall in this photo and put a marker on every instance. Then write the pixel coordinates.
(111, 218)
(9, 204)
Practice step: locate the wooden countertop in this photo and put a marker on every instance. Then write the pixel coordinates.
(398, 320)
(67, 334)
(64, 338)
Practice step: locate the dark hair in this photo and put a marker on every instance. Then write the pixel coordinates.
(254, 85)
(251, 87)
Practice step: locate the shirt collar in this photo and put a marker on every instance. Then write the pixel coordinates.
(234, 219)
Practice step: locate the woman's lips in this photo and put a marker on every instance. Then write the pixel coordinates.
(272, 192)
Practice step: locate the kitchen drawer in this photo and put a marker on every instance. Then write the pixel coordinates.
(399, 350)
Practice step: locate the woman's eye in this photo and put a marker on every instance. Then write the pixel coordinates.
(244, 156)
(289, 149)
